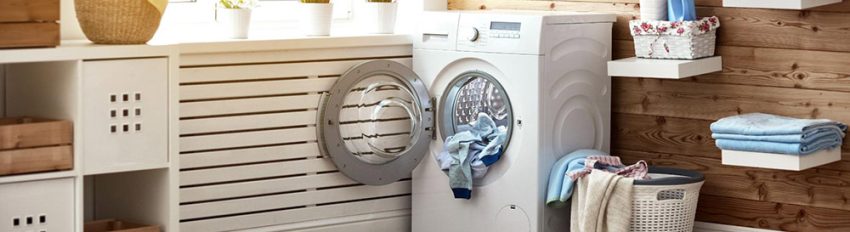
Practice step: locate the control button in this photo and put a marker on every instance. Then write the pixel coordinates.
(472, 34)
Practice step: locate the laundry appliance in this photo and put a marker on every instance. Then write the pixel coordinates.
(540, 75)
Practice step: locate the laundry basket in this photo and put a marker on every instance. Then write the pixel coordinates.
(667, 202)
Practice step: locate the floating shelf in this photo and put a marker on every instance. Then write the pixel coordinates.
(666, 69)
(779, 4)
(780, 161)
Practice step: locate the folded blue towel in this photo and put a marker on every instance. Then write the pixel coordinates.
(767, 124)
(780, 148)
(810, 136)
(560, 187)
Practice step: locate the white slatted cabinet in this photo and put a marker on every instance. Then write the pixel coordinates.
(250, 158)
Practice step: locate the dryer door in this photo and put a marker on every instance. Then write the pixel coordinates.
(377, 122)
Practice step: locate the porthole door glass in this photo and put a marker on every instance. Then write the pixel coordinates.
(377, 121)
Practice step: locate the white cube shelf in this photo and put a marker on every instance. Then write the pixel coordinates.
(780, 161)
(779, 4)
(666, 69)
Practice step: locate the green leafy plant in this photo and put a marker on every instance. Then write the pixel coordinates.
(238, 4)
(316, 1)
(384, 1)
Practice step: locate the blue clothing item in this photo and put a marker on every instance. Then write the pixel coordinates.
(767, 124)
(560, 187)
(467, 155)
(681, 10)
(780, 148)
(805, 138)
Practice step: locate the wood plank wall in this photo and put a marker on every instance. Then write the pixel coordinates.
(787, 62)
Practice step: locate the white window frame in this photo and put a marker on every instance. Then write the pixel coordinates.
(203, 11)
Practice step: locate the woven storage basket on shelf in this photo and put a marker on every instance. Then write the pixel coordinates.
(119, 21)
(667, 202)
(675, 40)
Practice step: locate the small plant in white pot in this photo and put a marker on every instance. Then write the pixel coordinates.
(379, 16)
(316, 16)
(235, 16)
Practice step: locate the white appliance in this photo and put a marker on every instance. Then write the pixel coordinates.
(542, 75)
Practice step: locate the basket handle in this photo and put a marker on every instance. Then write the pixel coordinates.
(666, 195)
(652, 45)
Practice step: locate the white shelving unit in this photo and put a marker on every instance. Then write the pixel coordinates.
(66, 83)
(779, 4)
(665, 69)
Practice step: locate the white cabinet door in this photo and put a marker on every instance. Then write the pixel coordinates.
(46, 205)
(125, 115)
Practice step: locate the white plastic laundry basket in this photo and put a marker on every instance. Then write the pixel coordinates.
(667, 202)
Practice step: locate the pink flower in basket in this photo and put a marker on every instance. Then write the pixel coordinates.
(636, 29)
(662, 29)
(704, 27)
(675, 24)
(713, 20)
(680, 31)
(646, 27)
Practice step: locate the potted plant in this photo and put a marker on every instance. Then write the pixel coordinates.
(316, 16)
(379, 16)
(235, 16)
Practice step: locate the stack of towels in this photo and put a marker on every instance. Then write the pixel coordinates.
(765, 133)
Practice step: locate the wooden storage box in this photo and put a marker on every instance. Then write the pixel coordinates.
(112, 225)
(29, 23)
(29, 145)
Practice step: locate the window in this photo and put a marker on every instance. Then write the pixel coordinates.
(203, 11)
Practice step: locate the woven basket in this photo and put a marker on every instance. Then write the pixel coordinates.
(118, 21)
(667, 202)
(675, 40)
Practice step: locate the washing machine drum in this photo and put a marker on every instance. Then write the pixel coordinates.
(377, 121)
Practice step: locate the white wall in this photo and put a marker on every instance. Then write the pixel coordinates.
(70, 29)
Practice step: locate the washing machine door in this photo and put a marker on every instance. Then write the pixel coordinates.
(376, 123)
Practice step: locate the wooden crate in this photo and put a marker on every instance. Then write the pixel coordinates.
(112, 225)
(29, 145)
(29, 23)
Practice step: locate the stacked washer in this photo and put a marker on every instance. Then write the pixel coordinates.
(542, 75)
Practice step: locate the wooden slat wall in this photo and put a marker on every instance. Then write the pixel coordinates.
(786, 62)
(249, 151)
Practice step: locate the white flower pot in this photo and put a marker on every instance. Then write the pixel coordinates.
(316, 18)
(653, 9)
(379, 17)
(236, 22)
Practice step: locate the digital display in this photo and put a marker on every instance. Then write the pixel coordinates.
(506, 26)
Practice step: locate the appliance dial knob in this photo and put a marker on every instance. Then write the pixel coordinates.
(473, 34)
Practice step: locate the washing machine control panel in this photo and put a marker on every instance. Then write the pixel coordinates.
(516, 34)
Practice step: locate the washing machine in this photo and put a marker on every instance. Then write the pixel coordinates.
(540, 75)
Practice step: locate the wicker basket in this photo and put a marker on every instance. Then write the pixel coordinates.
(675, 40)
(667, 202)
(118, 21)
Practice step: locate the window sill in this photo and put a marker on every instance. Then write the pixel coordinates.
(208, 38)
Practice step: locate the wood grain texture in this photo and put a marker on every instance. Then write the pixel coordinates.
(33, 160)
(686, 99)
(19, 132)
(29, 10)
(771, 215)
(21, 35)
(788, 62)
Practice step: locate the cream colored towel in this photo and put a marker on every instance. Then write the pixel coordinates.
(602, 202)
